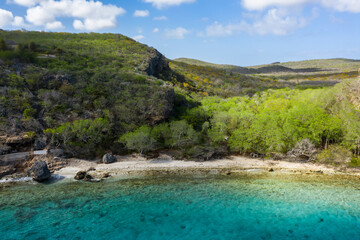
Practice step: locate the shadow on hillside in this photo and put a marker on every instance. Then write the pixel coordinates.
(276, 69)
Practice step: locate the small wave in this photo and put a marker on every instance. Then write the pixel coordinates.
(10, 180)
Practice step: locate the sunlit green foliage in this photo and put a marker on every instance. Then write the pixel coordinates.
(81, 137)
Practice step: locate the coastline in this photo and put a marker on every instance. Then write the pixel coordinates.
(133, 166)
(127, 166)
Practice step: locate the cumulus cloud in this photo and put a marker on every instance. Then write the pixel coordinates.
(89, 15)
(343, 5)
(178, 33)
(161, 18)
(54, 25)
(7, 19)
(138, 37)
(275, 21)
(263, 4)
(218, 30)
(278, 22)
(167, 3)
(156, 30)
(141, 13)
(26, 3)
(338, 5)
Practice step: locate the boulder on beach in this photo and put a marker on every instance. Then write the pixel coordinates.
(80, 175)
(108, 158)
(39, 171)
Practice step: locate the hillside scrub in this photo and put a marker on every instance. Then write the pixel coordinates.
(274, 121)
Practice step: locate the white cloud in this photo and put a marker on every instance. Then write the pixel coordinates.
(338, 5)
(263, 4)
(278, 22)
(18, 22)
(178, 33)
(167, 3)
(138, 37)
(218, 30)
(54, 25)
(7, 19)
(156, 30)
(275, 21)
(343, 5)
(89, 15)
(26, 3)
(141, 13)
(162, 18)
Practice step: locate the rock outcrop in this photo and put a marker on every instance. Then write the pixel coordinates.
(108, 158)
(39, 172)
(80, 175)
(6, 170)
(158, 65)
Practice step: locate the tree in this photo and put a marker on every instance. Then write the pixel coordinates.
(139, 140)
(3, 46)
(32, 47)
(182, 135)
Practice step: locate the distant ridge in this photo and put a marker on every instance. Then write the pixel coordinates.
(305, 66)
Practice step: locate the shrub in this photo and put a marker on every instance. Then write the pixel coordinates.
(139, 140)
(82, 137)
(29, 113)
(182, 135)
(335, 154)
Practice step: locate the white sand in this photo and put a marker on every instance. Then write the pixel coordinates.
(127, 165)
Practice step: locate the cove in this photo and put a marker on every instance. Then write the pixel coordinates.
(239, 206)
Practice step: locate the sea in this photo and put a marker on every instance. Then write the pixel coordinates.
(256, 205)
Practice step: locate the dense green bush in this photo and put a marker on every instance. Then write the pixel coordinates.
(82, 137)
(140, 140)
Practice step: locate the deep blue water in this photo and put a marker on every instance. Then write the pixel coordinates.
(245, 206)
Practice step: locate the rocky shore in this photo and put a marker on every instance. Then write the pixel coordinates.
(136, 165)
(127, 166)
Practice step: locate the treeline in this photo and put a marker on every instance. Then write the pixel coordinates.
(270, 122)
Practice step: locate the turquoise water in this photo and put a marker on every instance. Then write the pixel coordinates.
(245, 206)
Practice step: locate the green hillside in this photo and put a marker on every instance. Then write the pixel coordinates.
(92, 93)
(103, 84)
(322, 72)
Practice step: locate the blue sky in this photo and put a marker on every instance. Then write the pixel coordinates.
(240, 32)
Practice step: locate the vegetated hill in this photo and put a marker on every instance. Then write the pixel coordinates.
(323, 72)
(215, 81)
(101, 85)
(91, 93)
(206, 64)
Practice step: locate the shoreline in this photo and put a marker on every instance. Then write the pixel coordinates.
(132, 166)
(164, 165)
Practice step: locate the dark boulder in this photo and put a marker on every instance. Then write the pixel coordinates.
(88, 178)
(6, 170)
(57, 152)
(108, 158)
(80, 175)
(39, 171)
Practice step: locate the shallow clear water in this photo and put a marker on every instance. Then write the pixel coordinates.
(244, 206)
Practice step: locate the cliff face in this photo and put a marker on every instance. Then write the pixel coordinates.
(158, 65)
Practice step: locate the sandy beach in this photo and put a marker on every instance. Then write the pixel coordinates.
(136, 165)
